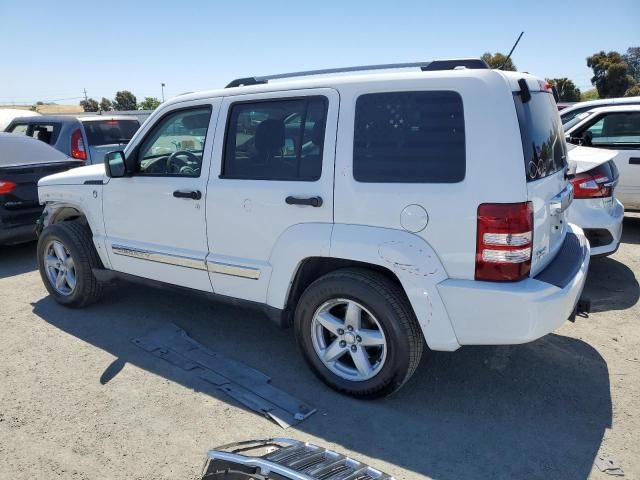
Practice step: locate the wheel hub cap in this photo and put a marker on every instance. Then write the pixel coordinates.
(60, 268)
(349, 340)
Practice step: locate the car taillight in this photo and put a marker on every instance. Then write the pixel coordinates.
(596, 183)
(77, 146)
(505, 235)
(6, 187)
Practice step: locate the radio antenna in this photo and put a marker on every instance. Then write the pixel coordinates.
(512, 49)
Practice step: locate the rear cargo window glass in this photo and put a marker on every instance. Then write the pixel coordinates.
(110, 132)
(409, 137)
(543, 144)
(19, 129)
(45, 132)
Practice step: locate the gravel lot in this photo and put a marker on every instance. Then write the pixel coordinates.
(78, 400)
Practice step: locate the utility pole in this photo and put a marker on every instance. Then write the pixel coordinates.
(162, 84)
(85, 94)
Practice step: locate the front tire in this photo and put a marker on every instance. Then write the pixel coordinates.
(358, 333)
(66, 259)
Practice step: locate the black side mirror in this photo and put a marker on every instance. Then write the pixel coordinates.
(115, 165)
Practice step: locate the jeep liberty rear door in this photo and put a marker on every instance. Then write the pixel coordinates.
(272, 169)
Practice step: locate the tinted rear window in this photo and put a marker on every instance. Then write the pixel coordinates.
(543, 144)
(110, 132)
(409, 137)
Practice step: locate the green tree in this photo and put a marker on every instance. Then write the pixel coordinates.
(632, 58)
(125, 100)
(89, 105)
(106, 105)
(610, 74)
(633, 91)
(499, 60)
(567, 90)
(149, 103)
(591, 94)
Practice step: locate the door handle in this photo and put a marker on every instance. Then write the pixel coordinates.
(634, 161)
(311, 201)
(192, 194)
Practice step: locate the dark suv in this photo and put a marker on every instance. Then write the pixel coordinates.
(82, 138)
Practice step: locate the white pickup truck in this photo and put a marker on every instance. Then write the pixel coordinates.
(375, 212)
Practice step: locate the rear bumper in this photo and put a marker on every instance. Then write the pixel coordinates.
(18, 225)
(18, 234)
(602, 226)
(488, 313)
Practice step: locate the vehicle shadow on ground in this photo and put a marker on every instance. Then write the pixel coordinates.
(631, 229)
(531, 411)
(611, 284)
(17, 259)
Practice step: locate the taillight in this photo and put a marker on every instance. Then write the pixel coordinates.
(77, 146)
(505, 236)
(6, 187)
(596, 183)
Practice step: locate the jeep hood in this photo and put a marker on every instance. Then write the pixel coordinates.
(76, 176)
(583, 159)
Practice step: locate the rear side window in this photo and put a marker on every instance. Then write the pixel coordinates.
(543, 144)
(409, 137)
(616, 129)
(276, 140)
(110, 132)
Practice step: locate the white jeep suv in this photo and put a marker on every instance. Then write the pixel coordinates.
(375, 212)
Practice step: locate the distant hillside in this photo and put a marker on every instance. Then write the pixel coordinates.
(47, 109)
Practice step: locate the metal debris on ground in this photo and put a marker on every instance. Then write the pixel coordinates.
(609, 466)
(248, 386)
(284, 459)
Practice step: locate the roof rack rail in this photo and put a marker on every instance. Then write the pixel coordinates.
(471, 63)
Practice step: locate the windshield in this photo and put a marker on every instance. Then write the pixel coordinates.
(575, 120)
(110, 132)
(543, 144)
(570, 114)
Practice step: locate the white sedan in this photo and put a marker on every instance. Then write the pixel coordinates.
(595, 207)
(615, 128)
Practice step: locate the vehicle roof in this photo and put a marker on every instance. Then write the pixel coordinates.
(336, 81)
(601, 102)
(93, 118)
(616, 108)
(71, 118)
(46, 118)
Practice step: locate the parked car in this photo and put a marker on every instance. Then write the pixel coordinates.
(616, 128)
(569, 113)
(72, 135)
(24, 161)
(595, 208)
(404, 214)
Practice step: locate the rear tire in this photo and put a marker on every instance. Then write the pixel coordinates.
(66, 259)
(371, 356)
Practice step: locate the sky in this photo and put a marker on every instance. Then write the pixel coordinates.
(53, 50)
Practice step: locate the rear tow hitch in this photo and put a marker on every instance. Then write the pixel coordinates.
(583, 308)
